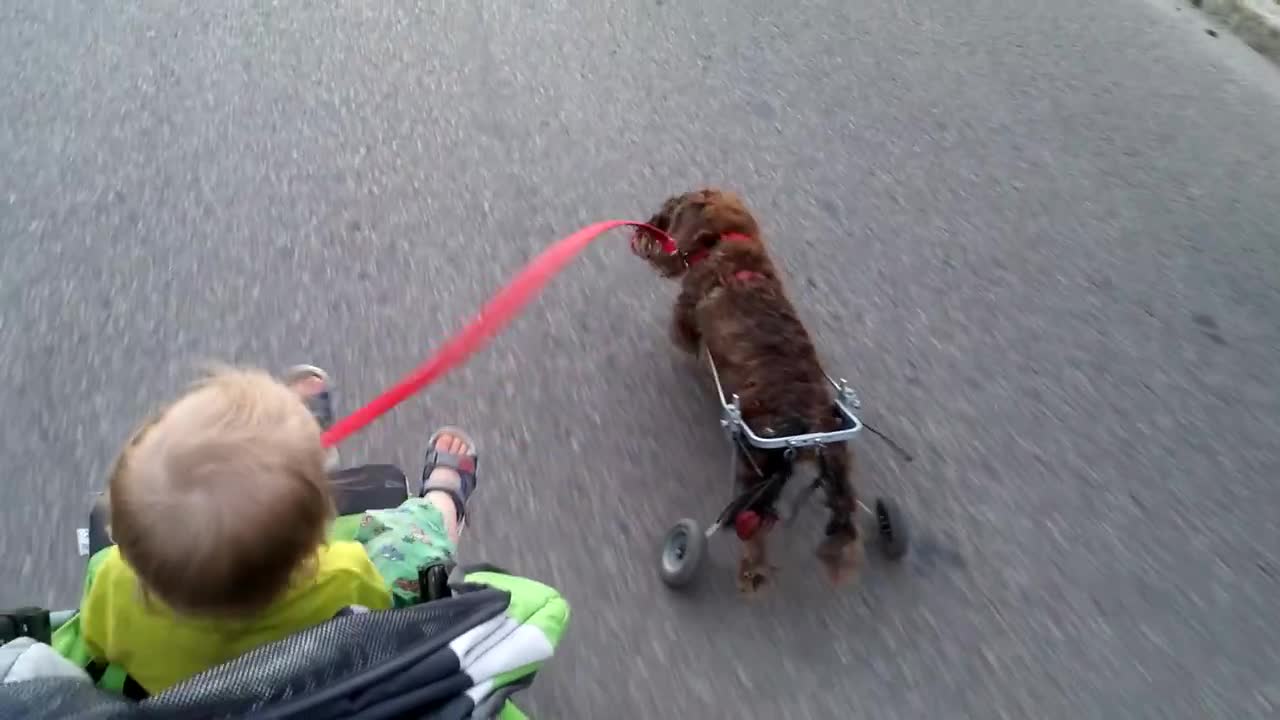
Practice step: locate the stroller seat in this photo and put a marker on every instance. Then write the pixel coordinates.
(458, 657)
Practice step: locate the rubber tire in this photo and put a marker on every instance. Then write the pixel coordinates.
(892, 529)
(677, 570)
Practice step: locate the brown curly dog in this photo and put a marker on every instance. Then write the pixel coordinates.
(733, 305)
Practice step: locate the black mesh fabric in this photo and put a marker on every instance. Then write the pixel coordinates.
(388, 664)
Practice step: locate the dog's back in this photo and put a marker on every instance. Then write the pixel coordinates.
(766, 356)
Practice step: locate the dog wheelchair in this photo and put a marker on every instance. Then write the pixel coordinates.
(684, 547)
(476, 637)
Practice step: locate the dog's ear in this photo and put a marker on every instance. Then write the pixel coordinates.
(729, 214)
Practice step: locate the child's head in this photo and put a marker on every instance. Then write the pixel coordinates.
(220, 500)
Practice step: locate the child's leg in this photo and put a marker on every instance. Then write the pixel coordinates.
(313, 386)
(449, 477)
(424, 530)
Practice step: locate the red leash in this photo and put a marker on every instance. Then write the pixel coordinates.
(500, 309)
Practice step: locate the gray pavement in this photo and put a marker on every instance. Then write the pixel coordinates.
(1042, 237)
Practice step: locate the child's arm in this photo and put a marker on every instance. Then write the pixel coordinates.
(81, 639)
(349, 579)
(69, 639)
(368, 589)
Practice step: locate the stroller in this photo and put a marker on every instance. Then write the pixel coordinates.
(477, 636)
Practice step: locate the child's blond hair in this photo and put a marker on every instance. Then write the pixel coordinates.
(221, 499)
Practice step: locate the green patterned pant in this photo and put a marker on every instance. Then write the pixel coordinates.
(403, 539)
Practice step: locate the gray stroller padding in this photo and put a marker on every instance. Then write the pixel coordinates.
(389, 664)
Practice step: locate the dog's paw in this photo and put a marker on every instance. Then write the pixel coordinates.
(753, 577)
(841, 556)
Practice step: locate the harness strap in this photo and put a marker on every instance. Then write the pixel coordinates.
(433, 582)
(112, 677)
(32, 622)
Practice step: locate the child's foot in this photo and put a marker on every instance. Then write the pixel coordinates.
(451, 466)
(312, 385)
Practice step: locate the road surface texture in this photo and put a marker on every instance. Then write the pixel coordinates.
(1041, 236)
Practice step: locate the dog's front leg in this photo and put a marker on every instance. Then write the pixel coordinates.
(684, 323)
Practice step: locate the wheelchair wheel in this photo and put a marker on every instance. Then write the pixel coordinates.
(683, 550)
(892, 528)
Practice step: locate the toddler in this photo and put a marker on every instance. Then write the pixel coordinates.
(220, 506)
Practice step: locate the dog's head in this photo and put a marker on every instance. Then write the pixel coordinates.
(696, 221)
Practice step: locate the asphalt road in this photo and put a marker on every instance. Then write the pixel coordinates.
(1043, 238)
